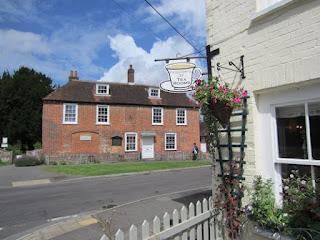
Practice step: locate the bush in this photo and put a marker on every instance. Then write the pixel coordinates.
(16, 149)
(27, 161)
(301, 202)
(265, 212)
(37, 145)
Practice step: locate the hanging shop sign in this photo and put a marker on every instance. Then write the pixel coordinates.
(182, 77)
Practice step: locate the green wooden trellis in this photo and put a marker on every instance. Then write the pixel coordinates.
(217, 146)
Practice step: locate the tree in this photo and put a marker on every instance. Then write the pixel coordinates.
(21, 97)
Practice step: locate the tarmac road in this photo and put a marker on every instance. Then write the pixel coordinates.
(23, 208)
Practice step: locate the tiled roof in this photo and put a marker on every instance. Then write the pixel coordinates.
(120, 94)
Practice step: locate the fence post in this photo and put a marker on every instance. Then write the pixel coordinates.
(175, 218)
(119, 235)
(184, 217)
(133, 233)
(199, 226)
(145, 230)
(206, 223)
(156, 225)
(191, 215)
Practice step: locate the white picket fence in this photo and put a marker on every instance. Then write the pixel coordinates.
(197, 222)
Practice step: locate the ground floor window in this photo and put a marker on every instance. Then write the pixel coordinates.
(298, 140)
(131, 142)
(170, 141)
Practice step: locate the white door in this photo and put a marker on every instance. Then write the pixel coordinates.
(148, 147)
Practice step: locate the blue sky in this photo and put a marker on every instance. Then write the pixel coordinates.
(98, 38)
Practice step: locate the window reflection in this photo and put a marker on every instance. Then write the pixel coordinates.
(314, 118)
(292, 132)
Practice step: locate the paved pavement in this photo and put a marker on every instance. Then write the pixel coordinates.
(24, 208)
(19, 176)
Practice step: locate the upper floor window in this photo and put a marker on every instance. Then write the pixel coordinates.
(157, 116)
(154, 92)
(70, 113)
(102, 89)
(171, 141)
(102, 114)
(181, 116)
(131, 142)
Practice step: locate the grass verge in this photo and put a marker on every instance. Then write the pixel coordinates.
(116, 168)
(2, 163)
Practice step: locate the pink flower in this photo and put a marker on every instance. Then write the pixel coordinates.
(221, 88)
(236, 100)
(244, 93)
(198, 82)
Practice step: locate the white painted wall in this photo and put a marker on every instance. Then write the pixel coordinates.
(281, 45)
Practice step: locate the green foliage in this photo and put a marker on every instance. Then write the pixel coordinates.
(301, 202)
(27, 161)
(216, 90)
(265, 211)
(4, 163)
(16, 149)
(21, 97)
(37, 145)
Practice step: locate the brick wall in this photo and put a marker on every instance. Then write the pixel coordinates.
(61, 138)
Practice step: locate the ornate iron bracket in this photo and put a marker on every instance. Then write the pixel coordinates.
(241, 69)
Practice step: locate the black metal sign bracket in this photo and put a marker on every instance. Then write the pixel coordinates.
(235, 69)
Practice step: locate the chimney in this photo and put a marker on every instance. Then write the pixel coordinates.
(131, 75)
(73, 76)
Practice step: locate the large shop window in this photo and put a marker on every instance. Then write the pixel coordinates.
(298, 134)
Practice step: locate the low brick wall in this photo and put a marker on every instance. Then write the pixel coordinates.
(113, 158)
(6, 156)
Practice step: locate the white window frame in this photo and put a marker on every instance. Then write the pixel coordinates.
(97, 114)
(175, 142)
(102, 94)
(162, 113)
(64, 112)
(269, 8)
(136, 142)
(277, 161)
(185, 116)
(157, 89)
(295, 161)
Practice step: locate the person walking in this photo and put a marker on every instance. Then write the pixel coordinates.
(195, 152)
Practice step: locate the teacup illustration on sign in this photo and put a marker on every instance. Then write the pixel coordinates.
(182, 76)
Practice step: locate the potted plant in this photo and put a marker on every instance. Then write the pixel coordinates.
(219, 97)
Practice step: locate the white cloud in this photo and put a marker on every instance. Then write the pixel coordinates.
(55, 55)
(22, 42)
(188, 16)
(147, 71)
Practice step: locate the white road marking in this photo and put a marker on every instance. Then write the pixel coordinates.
(62, 218)
(1, 228)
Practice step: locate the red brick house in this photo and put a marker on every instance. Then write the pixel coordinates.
(121, 120)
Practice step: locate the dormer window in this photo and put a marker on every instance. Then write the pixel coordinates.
(154, 92)
(102, 89)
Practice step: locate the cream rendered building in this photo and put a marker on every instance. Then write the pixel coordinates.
(280, 41)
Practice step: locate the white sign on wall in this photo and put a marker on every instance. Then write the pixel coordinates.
(85, 137)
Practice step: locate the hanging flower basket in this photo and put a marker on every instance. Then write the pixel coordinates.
(221, 111)
(219, 97)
